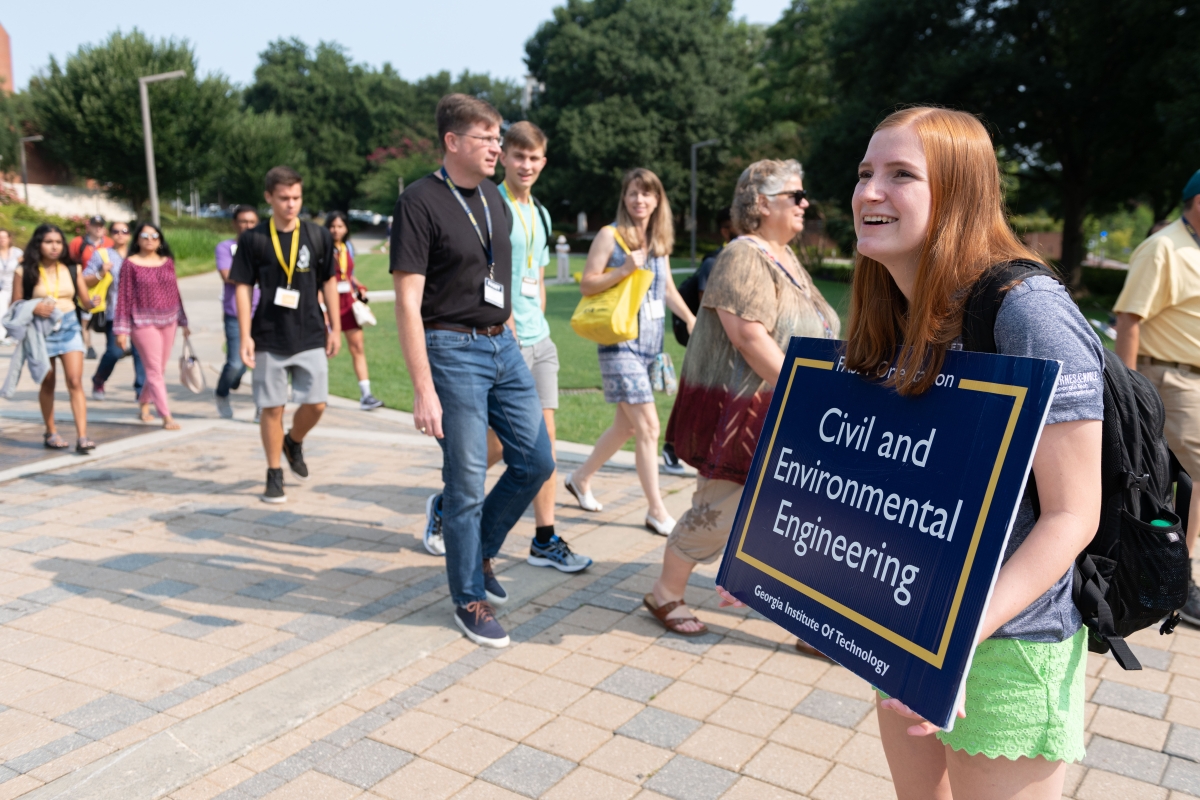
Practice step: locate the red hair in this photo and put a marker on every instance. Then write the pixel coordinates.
(968, 232)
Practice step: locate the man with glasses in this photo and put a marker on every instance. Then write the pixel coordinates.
(451, 263)
(101, 273)
(244, 218)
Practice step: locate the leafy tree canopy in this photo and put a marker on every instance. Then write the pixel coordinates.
(89, 111)
(634, 83)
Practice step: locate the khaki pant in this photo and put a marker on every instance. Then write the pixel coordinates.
(1180, 393)
(702, 533)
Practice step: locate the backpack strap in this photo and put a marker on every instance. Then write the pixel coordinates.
(987, 295)
(545, 217)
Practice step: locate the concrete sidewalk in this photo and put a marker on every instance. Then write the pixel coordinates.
(165, 634)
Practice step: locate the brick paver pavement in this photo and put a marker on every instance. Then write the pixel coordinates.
(165, 634)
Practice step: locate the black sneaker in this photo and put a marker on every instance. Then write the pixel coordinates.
(495, 592)
(274, 492)
(671, 463)
(294, 452)
(478, 622)
(91, 354)
(369, 403)
(1191, 609)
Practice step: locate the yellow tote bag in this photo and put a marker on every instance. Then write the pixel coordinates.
(611, 316)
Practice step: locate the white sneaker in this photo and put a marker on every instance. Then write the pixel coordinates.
(585, 499)
(662, 527)
(434, 543)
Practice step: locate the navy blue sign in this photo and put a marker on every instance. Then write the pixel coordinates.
(873, 526)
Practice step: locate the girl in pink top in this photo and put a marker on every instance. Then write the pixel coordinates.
(149, 308)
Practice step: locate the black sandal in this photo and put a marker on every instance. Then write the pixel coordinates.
(84, 445)
(52, 441)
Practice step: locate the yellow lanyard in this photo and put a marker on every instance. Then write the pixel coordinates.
(529, 229)
(343, 260)
(288, 268)
(57, 278)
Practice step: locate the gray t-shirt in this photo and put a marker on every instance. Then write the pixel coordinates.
(1038, 319)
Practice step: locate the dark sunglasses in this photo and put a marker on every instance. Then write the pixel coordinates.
(797, 196)
(148, 235)
(120, 231)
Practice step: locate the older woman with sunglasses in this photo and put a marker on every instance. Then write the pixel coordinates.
(149, 308)
(757, 298)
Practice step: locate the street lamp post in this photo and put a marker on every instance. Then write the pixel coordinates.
(24, 171)
(696, 146)
(151, 176)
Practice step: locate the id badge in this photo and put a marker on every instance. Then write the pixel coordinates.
(344, 287)
(529, 287)
(657, 310)
(493, 292)
(288, 298)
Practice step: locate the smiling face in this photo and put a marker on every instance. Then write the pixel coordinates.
(640, 202)
(893, 202)
(522, 167)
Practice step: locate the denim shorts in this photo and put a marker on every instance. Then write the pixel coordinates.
(67, 339)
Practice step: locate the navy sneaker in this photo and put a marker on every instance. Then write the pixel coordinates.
(434, 542)
(495, 592)
(478, 622)
(671, 463)
(557, 553)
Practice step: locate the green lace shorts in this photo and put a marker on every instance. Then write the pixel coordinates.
(1024, 699)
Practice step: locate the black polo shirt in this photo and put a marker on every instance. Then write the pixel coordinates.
(432, 236)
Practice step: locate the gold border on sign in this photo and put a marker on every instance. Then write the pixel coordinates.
(1018, 394)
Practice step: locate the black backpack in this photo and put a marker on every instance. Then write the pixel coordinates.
(689, 290)
(1133, 573)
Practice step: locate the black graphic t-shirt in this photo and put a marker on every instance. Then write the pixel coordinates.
(276, 329)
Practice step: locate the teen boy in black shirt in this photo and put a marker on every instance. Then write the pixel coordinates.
(451, 262)
(292, 263)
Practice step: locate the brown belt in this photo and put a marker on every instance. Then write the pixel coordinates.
(494, 330)
(1158, 362)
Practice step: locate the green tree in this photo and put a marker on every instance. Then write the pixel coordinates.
(1089, 98)
(633, 83)
(252, 144)
(88, 109)
(408, 161)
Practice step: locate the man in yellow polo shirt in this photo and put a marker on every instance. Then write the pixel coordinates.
(1158, 334)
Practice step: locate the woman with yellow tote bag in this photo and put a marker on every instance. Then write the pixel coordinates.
(639, 242)
(611, 316)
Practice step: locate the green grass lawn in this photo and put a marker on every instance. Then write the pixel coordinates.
(581, 417)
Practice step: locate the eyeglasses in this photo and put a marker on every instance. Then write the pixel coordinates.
(148, 235)
(495, 141)
(120, 231)
(797, 195)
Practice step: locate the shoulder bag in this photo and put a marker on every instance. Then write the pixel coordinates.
(611, 316)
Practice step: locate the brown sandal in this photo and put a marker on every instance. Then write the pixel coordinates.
(660, 614)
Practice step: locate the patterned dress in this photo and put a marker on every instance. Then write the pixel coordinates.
(722, 402)
(625, 367)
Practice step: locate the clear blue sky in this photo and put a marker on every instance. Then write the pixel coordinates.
(416, 37)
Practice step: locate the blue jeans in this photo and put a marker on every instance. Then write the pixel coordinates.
(234, 369)
(112, 354)
(482, 382)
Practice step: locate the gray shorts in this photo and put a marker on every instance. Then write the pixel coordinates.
(308, 370)
(542, 360)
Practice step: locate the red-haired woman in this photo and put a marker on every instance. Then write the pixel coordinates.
(929, 215)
